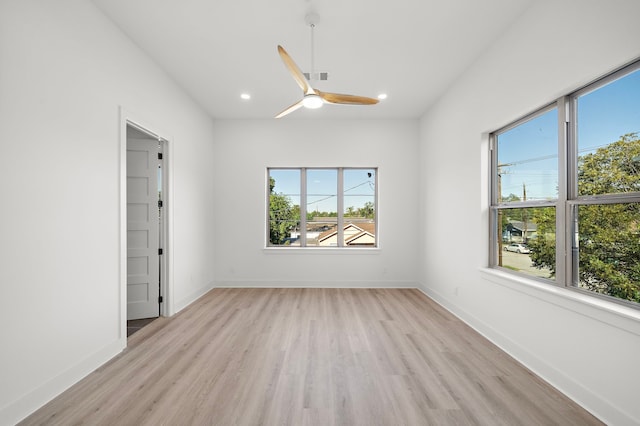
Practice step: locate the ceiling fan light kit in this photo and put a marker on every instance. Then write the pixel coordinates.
(312, 101)
(314, 98)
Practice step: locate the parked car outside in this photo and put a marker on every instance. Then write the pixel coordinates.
(518, 248)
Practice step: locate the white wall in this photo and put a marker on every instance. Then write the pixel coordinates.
(243, 151)
(586, 349)
(64, 73)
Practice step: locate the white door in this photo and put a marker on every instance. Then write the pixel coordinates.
(143, 275)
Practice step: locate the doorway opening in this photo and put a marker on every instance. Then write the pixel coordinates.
(145, 227)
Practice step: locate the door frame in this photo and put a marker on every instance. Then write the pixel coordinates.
(127, 118)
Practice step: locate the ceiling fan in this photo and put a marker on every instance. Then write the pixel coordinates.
(314, 98)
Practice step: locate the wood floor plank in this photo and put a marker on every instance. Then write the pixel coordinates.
(311, 357)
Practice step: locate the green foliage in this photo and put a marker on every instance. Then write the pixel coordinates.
(543, 247)
(608, 234)
(368, 210)
(609, 249)
(311, 215)
(282, 216)
(612, 169)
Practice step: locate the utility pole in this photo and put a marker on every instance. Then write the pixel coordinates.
(499, 169)
(525, 214)
(499, 218)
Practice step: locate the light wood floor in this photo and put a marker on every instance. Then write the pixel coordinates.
(311, 356)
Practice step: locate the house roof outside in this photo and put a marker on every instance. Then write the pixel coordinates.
(361, 229)
(519, 226)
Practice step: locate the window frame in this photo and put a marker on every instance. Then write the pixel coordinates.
(568, 199)
(496, 205)
(340, 210)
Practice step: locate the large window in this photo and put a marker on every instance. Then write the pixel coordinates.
(322, 207)
(566, 191)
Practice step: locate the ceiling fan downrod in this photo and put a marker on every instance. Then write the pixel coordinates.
(312, 20)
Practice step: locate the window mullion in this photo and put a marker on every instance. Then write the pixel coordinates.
(495, 257)
(303, 207)
(376, 211)
(340, 218)
(571, 192)
(563, 237)
(572, 148)
(268, 210)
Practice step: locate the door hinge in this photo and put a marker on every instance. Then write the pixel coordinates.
(159, 299)
(159, 156)
(159, 251)
(159, 204)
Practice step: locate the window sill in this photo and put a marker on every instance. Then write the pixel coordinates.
(610, 313)
(321, 250)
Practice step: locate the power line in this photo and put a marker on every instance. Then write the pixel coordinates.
(328, 197)
(548, 157)
(335, 195)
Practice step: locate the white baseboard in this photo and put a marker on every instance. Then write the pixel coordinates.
(32, 401)
(179, 305)
(586, 398)
(315, 284)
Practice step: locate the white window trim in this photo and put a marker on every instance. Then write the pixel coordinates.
(341, 248)
(566, 202)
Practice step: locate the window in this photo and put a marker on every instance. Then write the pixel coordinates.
(566, 179)
(322, 207)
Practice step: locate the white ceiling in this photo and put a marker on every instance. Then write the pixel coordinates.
(410, 49)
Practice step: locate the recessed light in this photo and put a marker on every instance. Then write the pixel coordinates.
(382, 96)
(245, 96)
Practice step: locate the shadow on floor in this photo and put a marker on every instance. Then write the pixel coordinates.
(135, 325)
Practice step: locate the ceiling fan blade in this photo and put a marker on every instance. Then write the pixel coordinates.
(337, 98)
(290, 109)
(294, 70)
